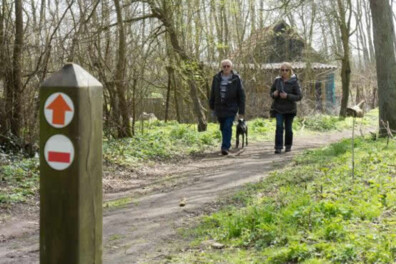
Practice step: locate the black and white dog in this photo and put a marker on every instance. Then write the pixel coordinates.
(241, 130)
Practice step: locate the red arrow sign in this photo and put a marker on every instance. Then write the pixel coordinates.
(54, 156)
(59, 107)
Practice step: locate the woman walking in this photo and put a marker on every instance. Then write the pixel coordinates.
(286, 92)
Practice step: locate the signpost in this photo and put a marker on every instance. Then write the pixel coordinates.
(71, 168)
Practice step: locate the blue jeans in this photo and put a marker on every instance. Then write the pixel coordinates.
(287, 120)
(226, 131)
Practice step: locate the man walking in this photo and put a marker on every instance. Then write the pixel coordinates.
(227, 98)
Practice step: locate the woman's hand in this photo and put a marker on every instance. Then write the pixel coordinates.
(283, 95)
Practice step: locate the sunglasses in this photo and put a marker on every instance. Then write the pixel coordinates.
(285, 70)
(226, 66)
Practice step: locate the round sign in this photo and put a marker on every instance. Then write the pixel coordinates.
(59, 152)
(59, 110)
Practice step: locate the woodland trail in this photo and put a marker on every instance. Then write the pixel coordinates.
(145, 230)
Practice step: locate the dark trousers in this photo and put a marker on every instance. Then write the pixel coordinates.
(284, 122)
(226, 131)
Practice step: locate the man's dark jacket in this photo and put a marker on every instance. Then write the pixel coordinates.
(287, 105)
(234, 101)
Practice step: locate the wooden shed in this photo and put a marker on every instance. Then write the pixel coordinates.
(258, 62)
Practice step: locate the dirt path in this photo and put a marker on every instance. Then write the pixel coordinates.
(144, 230)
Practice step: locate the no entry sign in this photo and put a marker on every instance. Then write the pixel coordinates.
(59, 110)
(59, 152)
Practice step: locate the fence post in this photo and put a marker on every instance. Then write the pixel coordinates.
(71, 168)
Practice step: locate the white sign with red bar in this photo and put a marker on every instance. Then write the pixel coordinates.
(59, 110)
(59, 152)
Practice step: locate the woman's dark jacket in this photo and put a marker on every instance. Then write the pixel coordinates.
(234, 101)
(292, 88)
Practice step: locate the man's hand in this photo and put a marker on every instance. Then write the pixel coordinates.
(283, 95)
(276, 93)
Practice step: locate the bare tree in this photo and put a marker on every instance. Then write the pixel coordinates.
(363, 36)
(13, 84)
(3, 121)
(124, 129)
(344, 19)
(191, 67)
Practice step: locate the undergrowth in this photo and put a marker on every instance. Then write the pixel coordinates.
(312, 212)
(19, 180)
(159, 141)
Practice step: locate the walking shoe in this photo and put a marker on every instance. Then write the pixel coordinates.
(278, 151)
(224, 151)
(288, 149)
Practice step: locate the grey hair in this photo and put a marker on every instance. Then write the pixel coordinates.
(226, 60)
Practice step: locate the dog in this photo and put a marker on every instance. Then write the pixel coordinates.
(241, 130)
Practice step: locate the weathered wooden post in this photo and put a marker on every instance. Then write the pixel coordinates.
(354, 111)
(71, 168)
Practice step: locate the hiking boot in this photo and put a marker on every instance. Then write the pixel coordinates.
(224, 151)
(278, 151)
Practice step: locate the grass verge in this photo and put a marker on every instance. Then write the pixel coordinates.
(311, 212)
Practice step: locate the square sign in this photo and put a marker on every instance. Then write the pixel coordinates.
(59, 110)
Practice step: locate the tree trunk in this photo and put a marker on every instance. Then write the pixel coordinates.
(3, 108)
(124, 128)
(362, 37)
(16, 119)
(345, 79)
(170, 76)
(176, 100)
(134, 85)
(344, 26)
(369, 32)
(384, 35)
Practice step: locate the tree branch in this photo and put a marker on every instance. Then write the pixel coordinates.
(48, 46)
(130, 20)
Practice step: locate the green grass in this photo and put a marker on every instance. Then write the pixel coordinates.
(19, 181)
(312, 212)
(163, 141)
(159, 142)
(118, 202)
(324, 123)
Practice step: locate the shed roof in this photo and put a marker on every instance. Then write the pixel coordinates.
(297, 65)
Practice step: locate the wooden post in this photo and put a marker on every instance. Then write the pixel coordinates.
(353, 148)
(354, 111)
(71, 168)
